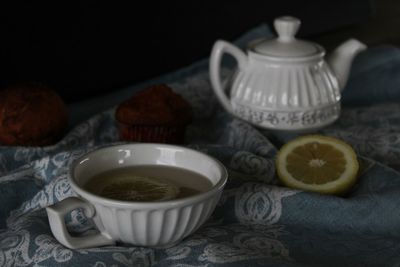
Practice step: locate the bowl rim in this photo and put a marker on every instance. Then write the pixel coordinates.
(154, 205)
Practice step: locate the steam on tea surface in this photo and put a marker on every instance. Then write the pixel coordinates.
(148, 183)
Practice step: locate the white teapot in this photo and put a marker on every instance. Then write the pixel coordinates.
(284, 83)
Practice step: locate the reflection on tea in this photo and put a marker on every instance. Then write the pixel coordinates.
(147, 183)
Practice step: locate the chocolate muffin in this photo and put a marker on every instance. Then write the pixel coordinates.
(31, 115)
(155, 114)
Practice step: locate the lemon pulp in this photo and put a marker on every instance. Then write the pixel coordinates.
(317, 163)
(136, 188)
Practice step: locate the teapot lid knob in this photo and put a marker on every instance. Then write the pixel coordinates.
(286, 45)
(286, 27)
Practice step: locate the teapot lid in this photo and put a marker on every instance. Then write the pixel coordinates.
(287, 45)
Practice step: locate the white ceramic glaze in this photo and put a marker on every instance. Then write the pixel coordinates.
(284, 83)
(152, 224)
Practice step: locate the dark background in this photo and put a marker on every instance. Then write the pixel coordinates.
(88, 48)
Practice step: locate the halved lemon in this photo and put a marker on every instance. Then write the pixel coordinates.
(137, 188)
(317, 163)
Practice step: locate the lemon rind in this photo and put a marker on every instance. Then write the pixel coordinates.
(345, 181)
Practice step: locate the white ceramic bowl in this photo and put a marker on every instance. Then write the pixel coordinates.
(138, 223)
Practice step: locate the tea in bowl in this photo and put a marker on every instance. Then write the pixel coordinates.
(143, 194)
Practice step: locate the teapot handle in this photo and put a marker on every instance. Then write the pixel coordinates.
(220, 47)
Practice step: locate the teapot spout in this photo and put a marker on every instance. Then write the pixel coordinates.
(342, 57)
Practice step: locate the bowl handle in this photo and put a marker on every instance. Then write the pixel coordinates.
(220, 47)
(56, 214)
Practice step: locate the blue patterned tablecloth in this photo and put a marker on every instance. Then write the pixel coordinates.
(257, 222)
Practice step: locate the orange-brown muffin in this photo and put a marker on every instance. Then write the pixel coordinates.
(155, 114)
(31, 115)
